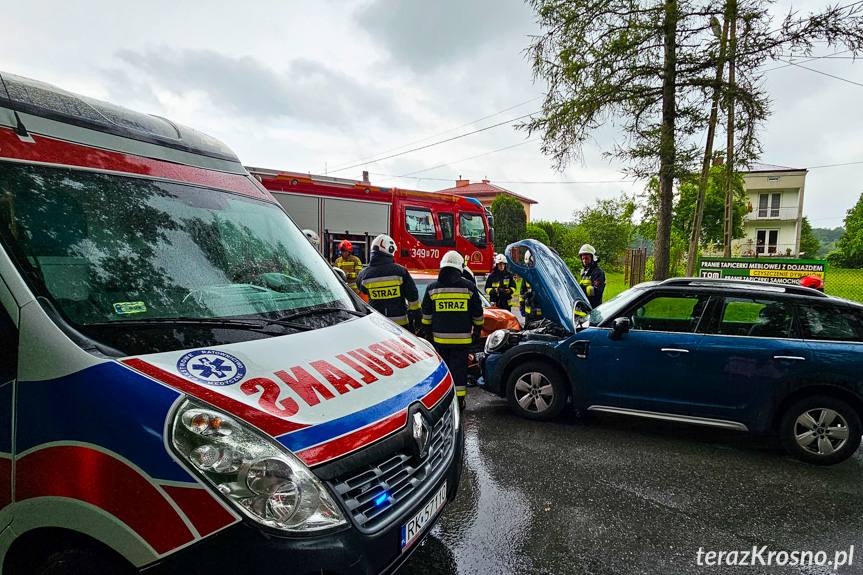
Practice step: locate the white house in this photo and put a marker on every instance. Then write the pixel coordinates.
(775, 199)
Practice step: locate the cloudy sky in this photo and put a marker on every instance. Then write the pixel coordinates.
(333, 85)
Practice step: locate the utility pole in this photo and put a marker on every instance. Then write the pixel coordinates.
(729, 156)
(694, 236)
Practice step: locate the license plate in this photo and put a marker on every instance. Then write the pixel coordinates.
(412, 529)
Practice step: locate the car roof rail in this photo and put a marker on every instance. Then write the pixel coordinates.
(751, 284)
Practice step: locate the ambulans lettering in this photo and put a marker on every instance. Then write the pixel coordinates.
(371, 362)
(399, 347)
(388, 356)
(451, 305)
(385, 293)
(269, 400)
(365, 375)
(396, 352)
(337, 378)
(305, 385)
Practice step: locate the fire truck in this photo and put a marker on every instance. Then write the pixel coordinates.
(424, 225)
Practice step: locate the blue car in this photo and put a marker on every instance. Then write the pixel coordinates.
(733, 354)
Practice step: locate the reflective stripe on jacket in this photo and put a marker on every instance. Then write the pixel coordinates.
(390, 288)
(451, 306)
(351, 265)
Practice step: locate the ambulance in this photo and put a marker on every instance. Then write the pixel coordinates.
(185, 384)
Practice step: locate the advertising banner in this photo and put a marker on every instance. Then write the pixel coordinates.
(781, 271)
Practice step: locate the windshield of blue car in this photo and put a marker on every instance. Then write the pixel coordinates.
(109, 249)
(611, 307)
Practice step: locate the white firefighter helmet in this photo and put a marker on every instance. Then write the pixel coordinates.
(385, 244)
(452, 259)
(499, 259)
(528, 257)
(312, 237)
(587, 249)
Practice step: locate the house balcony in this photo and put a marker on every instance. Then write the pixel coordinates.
(775, 214)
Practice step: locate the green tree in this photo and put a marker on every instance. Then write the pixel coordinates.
(648, 66)
(608, 227)
(713, 217)
(510, 221)
(535, 232)
(828, 239)
(849, 250)
(809, 244)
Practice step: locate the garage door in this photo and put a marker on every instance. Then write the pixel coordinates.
(306, 210)
(342, 216)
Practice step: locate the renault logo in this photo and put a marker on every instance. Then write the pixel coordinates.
(422, 434)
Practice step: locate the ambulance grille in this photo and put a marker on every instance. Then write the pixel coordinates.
(399, 476)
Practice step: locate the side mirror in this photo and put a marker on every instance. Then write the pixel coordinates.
(490, 234)
(619, 327)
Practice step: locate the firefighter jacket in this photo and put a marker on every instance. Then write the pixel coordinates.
(390, 288)
(528, 300)
(592, 281)
(451, 306)
(500, 285)
(351, 265)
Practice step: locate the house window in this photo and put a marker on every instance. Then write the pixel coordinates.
(768, 205)
(766, 241)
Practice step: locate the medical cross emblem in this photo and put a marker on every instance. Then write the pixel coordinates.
(211, 367)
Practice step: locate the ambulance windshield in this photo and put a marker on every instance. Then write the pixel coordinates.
(107, 248)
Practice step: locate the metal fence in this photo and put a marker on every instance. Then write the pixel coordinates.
(844, 283)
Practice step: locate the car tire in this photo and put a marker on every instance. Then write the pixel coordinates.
(79, 562)
(821, 430)
(535, 390)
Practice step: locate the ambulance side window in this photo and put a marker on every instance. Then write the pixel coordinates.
(8, 348)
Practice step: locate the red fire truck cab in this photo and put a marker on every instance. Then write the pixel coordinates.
(424, 225)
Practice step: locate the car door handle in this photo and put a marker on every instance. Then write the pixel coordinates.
(789, 358)
(674, 350)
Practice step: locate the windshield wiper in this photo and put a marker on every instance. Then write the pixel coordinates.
(318, 310)
(202, 322)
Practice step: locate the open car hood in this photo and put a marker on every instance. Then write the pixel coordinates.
(550, 277)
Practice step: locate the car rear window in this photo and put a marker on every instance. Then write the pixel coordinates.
(827, 322)
(755, 317)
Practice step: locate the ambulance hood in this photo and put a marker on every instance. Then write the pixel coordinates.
(322, 393)
(550, 277)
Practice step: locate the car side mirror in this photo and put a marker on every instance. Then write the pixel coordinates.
(619, 327)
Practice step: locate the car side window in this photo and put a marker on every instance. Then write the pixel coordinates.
(756, 318)
(829, 322)
(670, 313)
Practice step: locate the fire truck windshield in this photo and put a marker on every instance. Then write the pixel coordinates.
(472, 227)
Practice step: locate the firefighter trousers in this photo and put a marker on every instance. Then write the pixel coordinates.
(455, 358)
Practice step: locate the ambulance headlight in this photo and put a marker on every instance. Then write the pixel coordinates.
(261, 478)
(496, 340)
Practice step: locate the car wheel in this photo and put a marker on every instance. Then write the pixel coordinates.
(535, 390)
(820, 429)
(79, 562)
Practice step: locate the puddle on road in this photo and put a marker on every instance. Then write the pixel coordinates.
(483, 530)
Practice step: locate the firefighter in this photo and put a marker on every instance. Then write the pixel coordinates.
(349, 263)
(592, 278)
(500, 283)
(452, 316)
(390, 287)
(528, 299)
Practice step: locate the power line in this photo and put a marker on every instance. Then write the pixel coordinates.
(470, 158)
(434, 143)
(824, 73)
(444, 132)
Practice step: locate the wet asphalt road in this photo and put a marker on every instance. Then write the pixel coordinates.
(610, 494)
